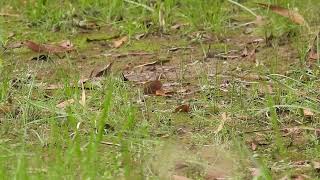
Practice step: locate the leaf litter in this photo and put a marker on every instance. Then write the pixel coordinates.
(151, 87)
(119, 42)
(55, 48)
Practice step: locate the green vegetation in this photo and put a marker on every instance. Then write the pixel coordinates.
(250, 88)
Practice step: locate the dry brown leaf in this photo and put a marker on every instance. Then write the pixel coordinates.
(62, 47)
(308, 113)
(65, 103)
(183, 108)
(176, 177)
(105, 71)
(119, 42)
(152, 87)
(294, 16)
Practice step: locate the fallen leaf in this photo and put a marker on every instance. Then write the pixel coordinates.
(119, 42)
(183, 108)
(65, 103)
(152, 87)
(308, 113)
(294, 16)
(105, 71)
(176, 177)
(64, 46)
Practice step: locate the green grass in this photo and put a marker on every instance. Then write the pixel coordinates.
(122, 134)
